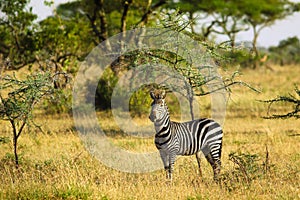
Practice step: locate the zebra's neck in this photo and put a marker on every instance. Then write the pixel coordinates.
(162, 124)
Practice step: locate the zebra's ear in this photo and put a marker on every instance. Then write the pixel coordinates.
(152, 94)
(162, 94)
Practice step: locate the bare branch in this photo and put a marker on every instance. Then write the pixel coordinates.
(294, 101)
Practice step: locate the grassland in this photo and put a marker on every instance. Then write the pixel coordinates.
(261, 158)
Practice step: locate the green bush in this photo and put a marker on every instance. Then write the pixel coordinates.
(4, 140)
(105, 89)
(287, 52)
(140, 102)
(242, 57)
(59, 102)
(247, 168)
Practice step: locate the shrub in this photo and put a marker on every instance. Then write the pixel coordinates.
(247, 168)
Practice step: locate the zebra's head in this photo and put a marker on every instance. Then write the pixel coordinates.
(158, 106)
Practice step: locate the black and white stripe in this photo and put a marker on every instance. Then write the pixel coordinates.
(188, 138)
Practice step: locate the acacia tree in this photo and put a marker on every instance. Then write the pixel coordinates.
(229, 19)
(261, 14)
(18, 105)
(225, 17)
(232, 17)
(198, 73)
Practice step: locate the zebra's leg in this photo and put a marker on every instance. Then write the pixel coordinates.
(198, 157)
(216, 151)
(215, 164)
(172, 158)
(165, 158)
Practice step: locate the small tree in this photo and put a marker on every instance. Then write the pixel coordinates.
(18, 99)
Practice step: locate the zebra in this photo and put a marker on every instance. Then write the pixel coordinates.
(187, 138)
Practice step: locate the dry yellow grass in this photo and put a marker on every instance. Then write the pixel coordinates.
(55, 165)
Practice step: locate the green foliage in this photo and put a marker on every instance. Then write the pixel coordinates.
(198, 197)
(4, 140)
(60, 101)
(9, 158)
(19, 100)
(23, 95)
(140, 101)
(105, 89)
(287, 52)
(231, 17)
(247, 168)
(72, 192)
(36, 193)
(239, 57)
(259, 12)
(62, 42)
(105, 17)
(17, 32)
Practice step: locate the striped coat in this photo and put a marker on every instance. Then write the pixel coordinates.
(188, 138)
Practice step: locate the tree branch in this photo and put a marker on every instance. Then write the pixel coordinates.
(289, 99)
(124, 15)
(102, 32)
(145, 17)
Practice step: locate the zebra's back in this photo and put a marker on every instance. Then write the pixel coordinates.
(198, 135)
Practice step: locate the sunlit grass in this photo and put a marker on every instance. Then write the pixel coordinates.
(55, 165)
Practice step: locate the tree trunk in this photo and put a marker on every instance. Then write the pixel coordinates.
(15, 143)
(191, 19)
(191, 99)
(16, 153)
(101, 32)
(190, 95)
(16, 135)
(254, 48)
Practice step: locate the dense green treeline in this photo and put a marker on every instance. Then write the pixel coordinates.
(78, 26)
(60, 42)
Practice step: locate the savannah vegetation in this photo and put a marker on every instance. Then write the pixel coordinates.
(42, 156)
